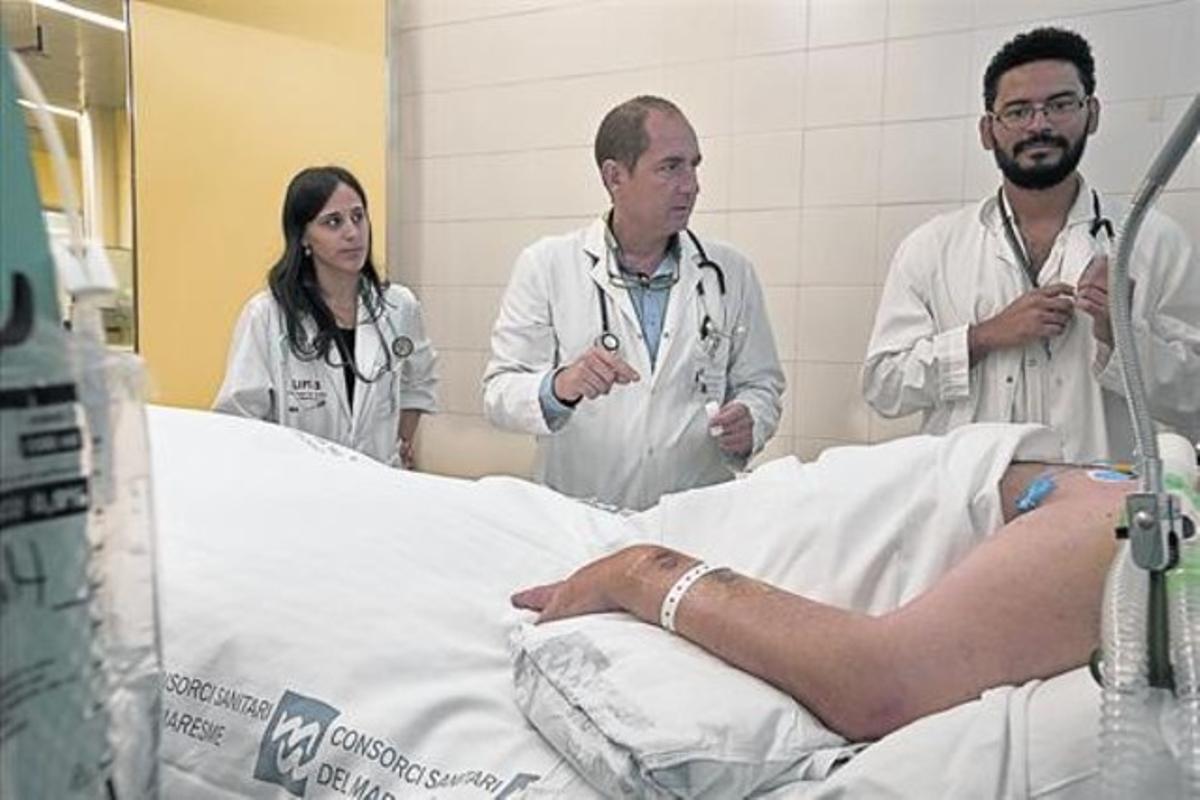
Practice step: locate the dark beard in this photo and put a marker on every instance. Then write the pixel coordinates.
(1040, 176)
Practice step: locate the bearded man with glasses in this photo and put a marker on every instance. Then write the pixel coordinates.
(1000, 311)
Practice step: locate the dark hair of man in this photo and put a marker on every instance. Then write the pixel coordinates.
(622, 135)
(293, 279)
(1040, 44)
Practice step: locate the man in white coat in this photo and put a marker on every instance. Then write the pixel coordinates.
(1000, 311)
(640, 356)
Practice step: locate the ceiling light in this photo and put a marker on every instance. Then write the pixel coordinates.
(81, 13)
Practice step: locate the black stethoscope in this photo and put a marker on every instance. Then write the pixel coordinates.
(612, 343)
(400, 347)
(1099, 223)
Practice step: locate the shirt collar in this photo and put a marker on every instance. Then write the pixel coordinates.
(668, 262)
(1080, 213)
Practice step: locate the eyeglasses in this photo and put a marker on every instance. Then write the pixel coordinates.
(1056, 110)
(623, 279)
(630, 280)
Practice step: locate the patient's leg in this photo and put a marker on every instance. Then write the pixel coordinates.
(1024, 604)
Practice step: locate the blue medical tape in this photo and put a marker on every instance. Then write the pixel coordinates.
(1109, 475)
(1037, 491)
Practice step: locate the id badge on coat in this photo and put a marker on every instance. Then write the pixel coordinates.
(306, 394)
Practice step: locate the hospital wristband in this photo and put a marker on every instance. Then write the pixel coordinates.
(670, 603)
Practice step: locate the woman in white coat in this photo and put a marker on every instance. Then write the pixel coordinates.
(331, 349)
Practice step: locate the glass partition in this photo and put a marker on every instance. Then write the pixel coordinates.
(78, 52)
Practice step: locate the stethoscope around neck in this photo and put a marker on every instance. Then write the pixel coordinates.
(399, 348)
(612, 343)
(1099, 223)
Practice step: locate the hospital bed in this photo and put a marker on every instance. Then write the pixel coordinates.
(334, 628)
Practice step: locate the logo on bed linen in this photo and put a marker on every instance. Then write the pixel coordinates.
(291, 741)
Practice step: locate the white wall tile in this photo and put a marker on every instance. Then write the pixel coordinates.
(704, 92)
(465, 187)
(461, 372)
(406, 69)
(466, 446)
(833, 22)
(829, 402)
(412, 123)
(771, 239)
(918, 17)
(710, 224)
(438, 305)
(1120, 152)
(897, 222)
(781, 311)
(475, 253)
(1121, 42)
(768, 93)
(787, 416)
(927, 77)
(986, 41)
(981, 176)
(1184, 208)
(841, 166)
(557, 113)
(765, 171)
(522, 184)
(559, 183)
(922, 162)
(683, 30)
(561, 41)
(834, 323)
(448, 123)
(1027, 12)
(1187, 174)
(715, 173)
(1183, 73)
(460, 318)
(844, 85)
(423, 13)
(409, 189)
(769, 26)
(838, 246)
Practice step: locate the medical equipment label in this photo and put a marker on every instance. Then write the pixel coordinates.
(52, 693)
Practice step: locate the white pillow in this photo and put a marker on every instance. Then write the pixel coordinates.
(641, 712)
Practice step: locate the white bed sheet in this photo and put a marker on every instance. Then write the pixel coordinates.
(301, 583)
(377, 598)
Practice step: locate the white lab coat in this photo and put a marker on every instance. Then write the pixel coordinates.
(958, 269)
(264, 379)
(642, 439)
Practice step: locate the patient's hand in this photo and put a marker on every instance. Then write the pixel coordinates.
(603, 585)
(584, 592)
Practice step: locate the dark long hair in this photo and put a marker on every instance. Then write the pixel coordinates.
(292, 278)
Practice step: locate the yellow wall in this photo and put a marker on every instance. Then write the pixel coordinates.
(47, 181)
(227, 107)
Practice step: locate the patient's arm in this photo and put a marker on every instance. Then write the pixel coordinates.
(1024, 604)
